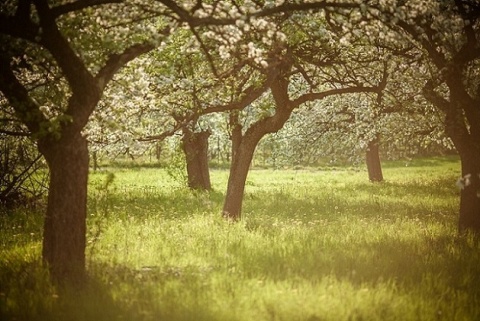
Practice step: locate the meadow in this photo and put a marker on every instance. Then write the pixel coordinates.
(314, 244)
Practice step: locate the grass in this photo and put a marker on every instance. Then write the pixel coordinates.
(313, 245)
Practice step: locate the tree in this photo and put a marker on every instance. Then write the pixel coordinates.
(446, 34)
(305, 66)
(39, 33)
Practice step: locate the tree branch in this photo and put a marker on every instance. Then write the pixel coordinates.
(339, 91)
(434, 98)
(25, 107)
(250, 95)
(73, 67)
(12, 133)
(117, 61)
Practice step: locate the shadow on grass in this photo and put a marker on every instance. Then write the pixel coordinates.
(423, 162)
(442, 265)
(393, 201)
(113, 292)
(27, 294)
(144, 202)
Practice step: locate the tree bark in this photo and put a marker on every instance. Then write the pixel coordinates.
(374, 166)
(195, 147)
(241, 160)
(469, 151)
(462, 125)
(470, 194)
(64, 237)
(243, 146)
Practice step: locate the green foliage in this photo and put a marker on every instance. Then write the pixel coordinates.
(176, 167)
(100, 208)
(314, 245)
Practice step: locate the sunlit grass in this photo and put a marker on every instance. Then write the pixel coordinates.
(312, 245)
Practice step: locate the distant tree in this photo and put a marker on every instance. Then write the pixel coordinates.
(300, 62)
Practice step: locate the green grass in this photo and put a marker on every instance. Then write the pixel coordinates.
(313, 245)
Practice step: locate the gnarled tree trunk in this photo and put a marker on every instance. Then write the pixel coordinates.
(243, 146)
(195, 147)
(64, 238)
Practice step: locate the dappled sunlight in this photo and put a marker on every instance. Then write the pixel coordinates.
(312, 245)
(239, 160)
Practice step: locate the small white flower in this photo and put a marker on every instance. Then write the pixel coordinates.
(240, 23)
(281, 36)
(464, 181)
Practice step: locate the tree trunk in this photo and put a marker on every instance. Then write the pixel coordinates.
(64, 231)
(95, 161)
(243, 145)
(242, 158)
(465, 139)
(470, 193)
(158, 151)
(374, 166)
(462, 125)
(195, 146)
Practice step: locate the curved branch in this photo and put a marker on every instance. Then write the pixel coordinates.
(117, 61)
(26, 109)
(250, 95)
(339, 91)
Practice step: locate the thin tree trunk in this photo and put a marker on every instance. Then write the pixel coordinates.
(374, 166)
(64, 237)
(95, 161)
(158, 151)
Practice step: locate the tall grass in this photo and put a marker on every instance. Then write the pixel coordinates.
(313, 245)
